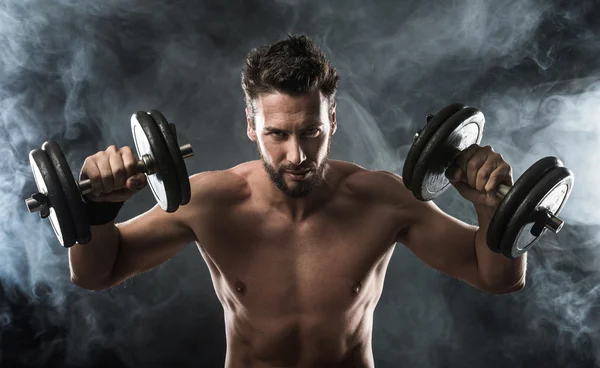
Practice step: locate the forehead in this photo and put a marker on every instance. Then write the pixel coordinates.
(284, 108)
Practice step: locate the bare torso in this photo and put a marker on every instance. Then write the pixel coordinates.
(298, 293)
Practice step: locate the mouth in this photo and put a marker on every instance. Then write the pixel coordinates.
(298, 175)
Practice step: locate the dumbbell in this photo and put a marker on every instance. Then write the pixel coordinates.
(60, 196)
(528, 209)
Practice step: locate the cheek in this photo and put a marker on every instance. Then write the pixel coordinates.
(323, 148)
(270, 151)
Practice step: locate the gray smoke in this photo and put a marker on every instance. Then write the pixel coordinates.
(74, 72)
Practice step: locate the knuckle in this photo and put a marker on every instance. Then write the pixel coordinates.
(127, 152)
(101, 157)
(120, 172)
(106, 178)
(130, 167)
(88, 170)
(472, 148)
(483, 174)
(128, 156)
(111, 148)
(504, 168)
(472, 165)
(96, 155)
(85, 168)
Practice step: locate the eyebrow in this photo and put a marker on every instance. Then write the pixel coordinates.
(311, 126)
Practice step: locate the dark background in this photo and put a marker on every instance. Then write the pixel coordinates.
(75, 71)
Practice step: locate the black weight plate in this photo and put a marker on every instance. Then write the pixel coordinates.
(421, 141)
(170, 137)
(70, 190)
(458, 132)
(551, 193)
(513, 199)
(149, 141)
(48, 184)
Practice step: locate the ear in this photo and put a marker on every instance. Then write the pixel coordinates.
(333, 119)
(250, 132)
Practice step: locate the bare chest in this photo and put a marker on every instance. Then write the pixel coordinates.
(326, 262)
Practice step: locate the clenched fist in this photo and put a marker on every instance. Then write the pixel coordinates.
(113, 175)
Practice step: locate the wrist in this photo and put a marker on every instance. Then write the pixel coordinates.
(484, 215)
(101, 213)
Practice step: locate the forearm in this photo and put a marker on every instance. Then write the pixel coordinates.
(499, 273)
(91, 264)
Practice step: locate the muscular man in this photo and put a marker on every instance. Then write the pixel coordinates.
(297, 245)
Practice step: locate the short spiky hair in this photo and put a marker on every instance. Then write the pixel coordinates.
(293, 65)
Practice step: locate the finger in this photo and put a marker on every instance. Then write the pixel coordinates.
(119, 172)
(484, 173)
(91, 171)
(106, 173)
(463, 158)
(467, 192)
(129, 160)
(135, 180)
(501, 175)
(454, 173)
(473, 166)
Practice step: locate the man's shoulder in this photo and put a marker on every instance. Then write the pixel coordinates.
(377, 185)
(225, 186)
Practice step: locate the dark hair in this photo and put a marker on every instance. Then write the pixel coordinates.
(293, 65)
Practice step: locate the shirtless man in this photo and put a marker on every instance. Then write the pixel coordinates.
(297, 245)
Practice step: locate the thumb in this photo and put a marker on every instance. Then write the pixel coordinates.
(459, 180)
(465, 190)
(136, 182)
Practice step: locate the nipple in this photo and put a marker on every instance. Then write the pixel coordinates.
(240, 287)
(356, 287)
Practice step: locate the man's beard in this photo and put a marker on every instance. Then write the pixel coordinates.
(301, 188)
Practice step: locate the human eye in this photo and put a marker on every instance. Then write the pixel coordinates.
(312, 132)
(277, 134)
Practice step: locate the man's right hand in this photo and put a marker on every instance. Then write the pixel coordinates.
(113, 175)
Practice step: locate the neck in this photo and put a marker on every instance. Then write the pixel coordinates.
(297, 209)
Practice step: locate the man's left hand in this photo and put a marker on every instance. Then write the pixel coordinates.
(477, 173)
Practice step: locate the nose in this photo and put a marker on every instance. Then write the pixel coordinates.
(295, 153)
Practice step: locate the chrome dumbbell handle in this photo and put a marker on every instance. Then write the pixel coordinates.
(145, 165)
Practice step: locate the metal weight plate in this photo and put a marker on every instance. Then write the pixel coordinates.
(461, 130)
(149, 141)
(170, 137)
(513, 199)
(71, 191)
(422, 139)
(551, 193)
(48, 184)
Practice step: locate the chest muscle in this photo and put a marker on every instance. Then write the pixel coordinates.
(266, 264)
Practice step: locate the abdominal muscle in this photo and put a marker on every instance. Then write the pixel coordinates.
(305, 305)
(299, 293)
(299, 340)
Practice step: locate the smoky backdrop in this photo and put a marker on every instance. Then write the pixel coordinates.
(75, 71)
